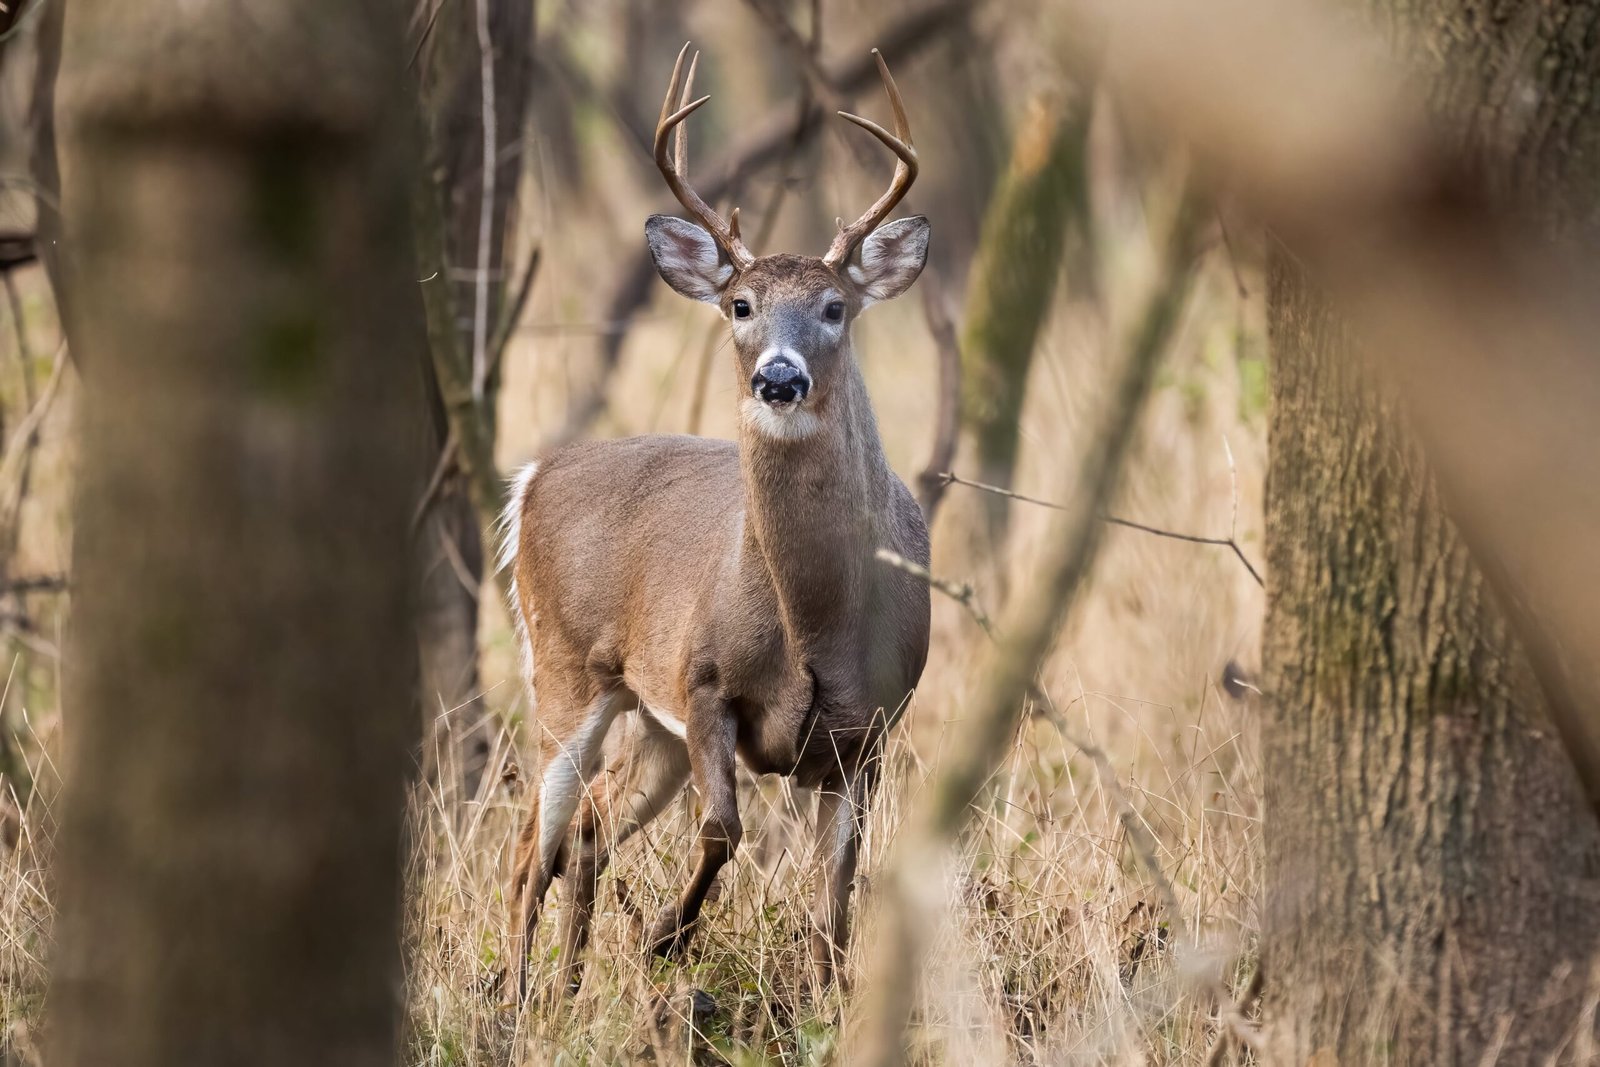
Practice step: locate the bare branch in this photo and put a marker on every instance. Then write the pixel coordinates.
(491, 165)
(951, 478)
(961, 592)
(17, 458)
(512, 314)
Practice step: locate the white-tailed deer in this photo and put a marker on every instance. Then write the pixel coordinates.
(685, 602)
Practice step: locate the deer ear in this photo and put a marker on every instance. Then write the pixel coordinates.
(890, 259)
(687, 258)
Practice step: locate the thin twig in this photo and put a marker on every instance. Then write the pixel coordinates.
(961, 592)
(458, 566)
(1233, 262)
(805, 56)
(24, 356)
(1233, 489)
(513, 312)
(491, 165)
(1224, 542)
(427, 31)
(441, 470)
(16, 460)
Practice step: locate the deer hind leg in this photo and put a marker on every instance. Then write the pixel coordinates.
(841, 821)
(712, 737)
(567, 765)
(646, 770)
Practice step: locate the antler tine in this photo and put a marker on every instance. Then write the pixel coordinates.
(671, 102)
(674, 166)
(680, 155)
(905, 171)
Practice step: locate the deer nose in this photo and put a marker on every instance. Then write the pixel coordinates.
(779, 381)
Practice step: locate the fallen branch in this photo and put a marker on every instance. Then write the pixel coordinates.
(951, 478)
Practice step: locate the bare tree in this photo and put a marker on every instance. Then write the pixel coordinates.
(242, 696)
(475, 68)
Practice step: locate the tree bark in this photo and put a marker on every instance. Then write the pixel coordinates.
(455, 111)
(1010, 288)
(1432, 863)
(46, 169)
(242, 683)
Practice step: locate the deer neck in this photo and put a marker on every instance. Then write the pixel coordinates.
(815, 508)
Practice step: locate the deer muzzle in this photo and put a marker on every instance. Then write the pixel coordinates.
(780, 380)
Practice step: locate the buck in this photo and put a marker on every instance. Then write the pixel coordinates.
(687, 603)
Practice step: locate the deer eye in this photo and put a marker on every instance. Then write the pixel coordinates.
(741, 309)
(834, 312)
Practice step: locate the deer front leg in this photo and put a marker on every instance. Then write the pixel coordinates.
(621, 803)
(841, 820)
(712, 735)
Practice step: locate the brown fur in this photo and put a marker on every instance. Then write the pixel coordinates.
(734, 587)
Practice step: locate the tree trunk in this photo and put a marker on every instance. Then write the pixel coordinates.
(242, 683)
(1010, 289)
(46, 169)
(455, 110)
(1433, 867)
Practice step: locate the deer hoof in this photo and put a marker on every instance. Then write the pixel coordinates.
(669, 933)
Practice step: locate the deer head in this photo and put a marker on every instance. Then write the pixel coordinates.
(790, 314)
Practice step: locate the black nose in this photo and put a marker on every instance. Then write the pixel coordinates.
(780, 382)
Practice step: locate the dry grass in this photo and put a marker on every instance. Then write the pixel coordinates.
(1057, 946)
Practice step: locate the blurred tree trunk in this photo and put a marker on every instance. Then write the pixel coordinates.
(1011, 285)
(456, 113)
(242, 683)
(1432, 864)
(42, 129)
(961, 137)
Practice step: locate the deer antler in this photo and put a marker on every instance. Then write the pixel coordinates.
(905, 171)
(675, 169)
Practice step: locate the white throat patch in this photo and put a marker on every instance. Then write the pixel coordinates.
(792, 423)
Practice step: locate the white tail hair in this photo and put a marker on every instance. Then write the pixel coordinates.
(510, 531)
